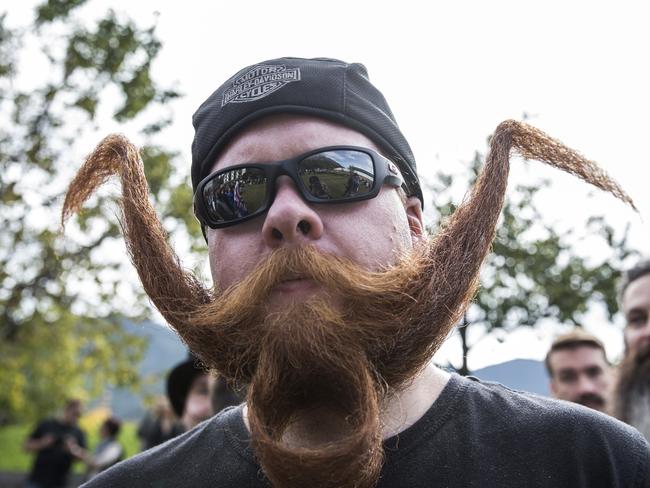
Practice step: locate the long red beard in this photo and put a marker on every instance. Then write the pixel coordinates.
(341, 360)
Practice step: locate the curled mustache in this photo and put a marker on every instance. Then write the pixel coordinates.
(385, 328)
(179, 295)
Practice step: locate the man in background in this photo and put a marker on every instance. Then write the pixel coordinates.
(632, 393)
(195, 395)
(635, 304)
(578, 370)
(54, 441)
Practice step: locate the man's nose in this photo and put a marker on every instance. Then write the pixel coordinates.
(290, 220)
(644, 333)
(586, 385)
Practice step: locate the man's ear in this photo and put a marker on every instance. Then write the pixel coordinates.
(413, 208)
(553, 387)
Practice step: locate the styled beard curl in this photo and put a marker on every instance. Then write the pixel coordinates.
(632, 390)
(343, 352)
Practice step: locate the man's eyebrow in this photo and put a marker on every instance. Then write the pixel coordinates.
(567, 370)
(592, 367)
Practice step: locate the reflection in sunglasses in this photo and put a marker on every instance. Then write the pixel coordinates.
(337, 174)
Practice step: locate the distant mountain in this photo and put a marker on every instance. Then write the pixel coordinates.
(518, 374)
(164, 350)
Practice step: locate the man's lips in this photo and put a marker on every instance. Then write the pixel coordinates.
(295, 283)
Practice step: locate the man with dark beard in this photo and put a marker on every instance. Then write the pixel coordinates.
(330, 309)
(632, 393)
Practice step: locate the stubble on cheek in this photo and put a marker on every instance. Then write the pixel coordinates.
(231, 258)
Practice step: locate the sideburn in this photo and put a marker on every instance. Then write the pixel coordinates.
(388, 328)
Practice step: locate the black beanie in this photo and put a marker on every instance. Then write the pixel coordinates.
(326, 88)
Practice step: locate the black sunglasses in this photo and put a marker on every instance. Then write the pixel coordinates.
(337, 174)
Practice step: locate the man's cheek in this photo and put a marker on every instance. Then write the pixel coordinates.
(222, 265)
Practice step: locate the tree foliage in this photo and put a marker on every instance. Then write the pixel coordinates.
(534, 271)
(62, 301)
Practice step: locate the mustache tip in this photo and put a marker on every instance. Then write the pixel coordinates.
(110, 157)
(532, 143)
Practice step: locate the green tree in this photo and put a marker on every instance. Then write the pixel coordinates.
(535, 272)
(62, 300)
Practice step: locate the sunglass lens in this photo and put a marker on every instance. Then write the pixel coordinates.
(235, 194)
(338, 174)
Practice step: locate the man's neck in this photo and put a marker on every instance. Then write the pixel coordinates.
(408, 405)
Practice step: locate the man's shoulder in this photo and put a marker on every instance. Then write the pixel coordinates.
(50, 422)
(45, 426)
(555, 423)
(186, 460)
(528, 410)
(77, 432)
(485, 434)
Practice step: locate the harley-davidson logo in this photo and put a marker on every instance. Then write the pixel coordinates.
(258, 82)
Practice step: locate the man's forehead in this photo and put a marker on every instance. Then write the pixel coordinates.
(279, 137)
(580, 356)
(637, 294)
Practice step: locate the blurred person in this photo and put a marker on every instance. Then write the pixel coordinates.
(108, 452)
(54, 441)
(578, 369)
(158, 425)
(192, 396)
(632, 391)
(188, 394)
(188, 390)
(330, 310)
(634, 298)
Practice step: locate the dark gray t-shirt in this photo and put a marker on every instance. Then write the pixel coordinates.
(476, 434)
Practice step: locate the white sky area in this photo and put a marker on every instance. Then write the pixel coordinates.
(451, 72)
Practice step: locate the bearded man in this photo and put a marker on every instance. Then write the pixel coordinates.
(329, 305)
(632, 393)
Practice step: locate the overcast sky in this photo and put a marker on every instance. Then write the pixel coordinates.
(451, 72)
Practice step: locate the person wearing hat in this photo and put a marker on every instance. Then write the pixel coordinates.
(579, 370)
(194, 396)
(188, 390)
(329, 301)
(188, 396)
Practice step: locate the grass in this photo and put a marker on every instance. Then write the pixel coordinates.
(12, 455)
(14, 458)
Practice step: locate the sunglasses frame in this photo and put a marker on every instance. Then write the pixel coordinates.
(386, 172)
